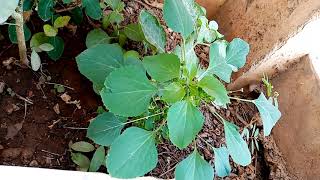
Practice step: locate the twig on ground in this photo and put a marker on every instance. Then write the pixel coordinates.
(54, 123)
(169, 170)
(24, 99)
(68, 87)
(56, 154)
(75, 128)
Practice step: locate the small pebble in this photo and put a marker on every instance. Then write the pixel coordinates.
(2, 85)
(34, 163)
(1, 147)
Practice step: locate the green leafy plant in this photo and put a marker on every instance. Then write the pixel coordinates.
(172, 86)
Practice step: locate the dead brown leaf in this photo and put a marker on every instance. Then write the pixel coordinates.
(13, 130)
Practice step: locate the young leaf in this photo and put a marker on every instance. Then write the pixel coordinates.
(213, 87)
(191, 59)
(128, 91)
(58, 44)
(97, 159)
(268, 112)
(115, 17)
(35, 61)
(194, 167)
(152, 30)
(104, 129)
(37, 40)
(13, 33)
(218, 64)
(81, 160)
(213, 25)
(92, 8)
(134, 32)
(46, 47)
(132, 154)
(61, 21)
(237, 147)
(173, 92)
(221, 161)
(205, 34)
(180, 16)
(96, 63)
(97, 36)
(45, 9)
(50, 30)
(162, 67)
(7, 8)
(184, 123)
(82, 146)
(237, 52)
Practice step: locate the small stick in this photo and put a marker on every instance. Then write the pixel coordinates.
(24, 99)
(75, 128)
(50, 152)
(68, 87)
(168, 170)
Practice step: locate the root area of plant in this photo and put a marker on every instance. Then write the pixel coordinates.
(38, 120)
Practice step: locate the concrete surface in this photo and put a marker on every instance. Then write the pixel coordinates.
(297, 134)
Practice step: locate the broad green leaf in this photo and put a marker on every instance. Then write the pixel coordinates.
(105, 21)
(35, 61)
(45, 9)
(61, 21)
(27, 5)
(237, 52)
(97, 159)
(115, 17)
(82, 146)
(268, 112)
(104, 129)
(77, 15)
(152, 30)
(191, 59)
(116, 5)
(13, 33)
(133, 61)
(97, 62)
(132, 154)
(225, 58)
(180, 16)
(92, 8)
(173, 92)
(131, 53)
(184, 123)
(205, 34)
(58, 44)
(194, 167)
(67, 1)
(81, 160)
(7, 8)
(218, 64)
(46, 47)
(97, 36)
(162, 67)
(213, 87)
(128, 91)
(134, 32)
(221, 161)
(237, 147)
(49, 30)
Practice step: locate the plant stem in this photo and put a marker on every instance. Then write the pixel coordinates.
(18, 16)
(239, 99)
(206, 142)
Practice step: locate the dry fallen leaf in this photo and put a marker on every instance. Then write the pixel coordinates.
(13, 130)
(56, 109)
(66, 98)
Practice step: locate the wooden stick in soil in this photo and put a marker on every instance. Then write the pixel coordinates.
(18, 16)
